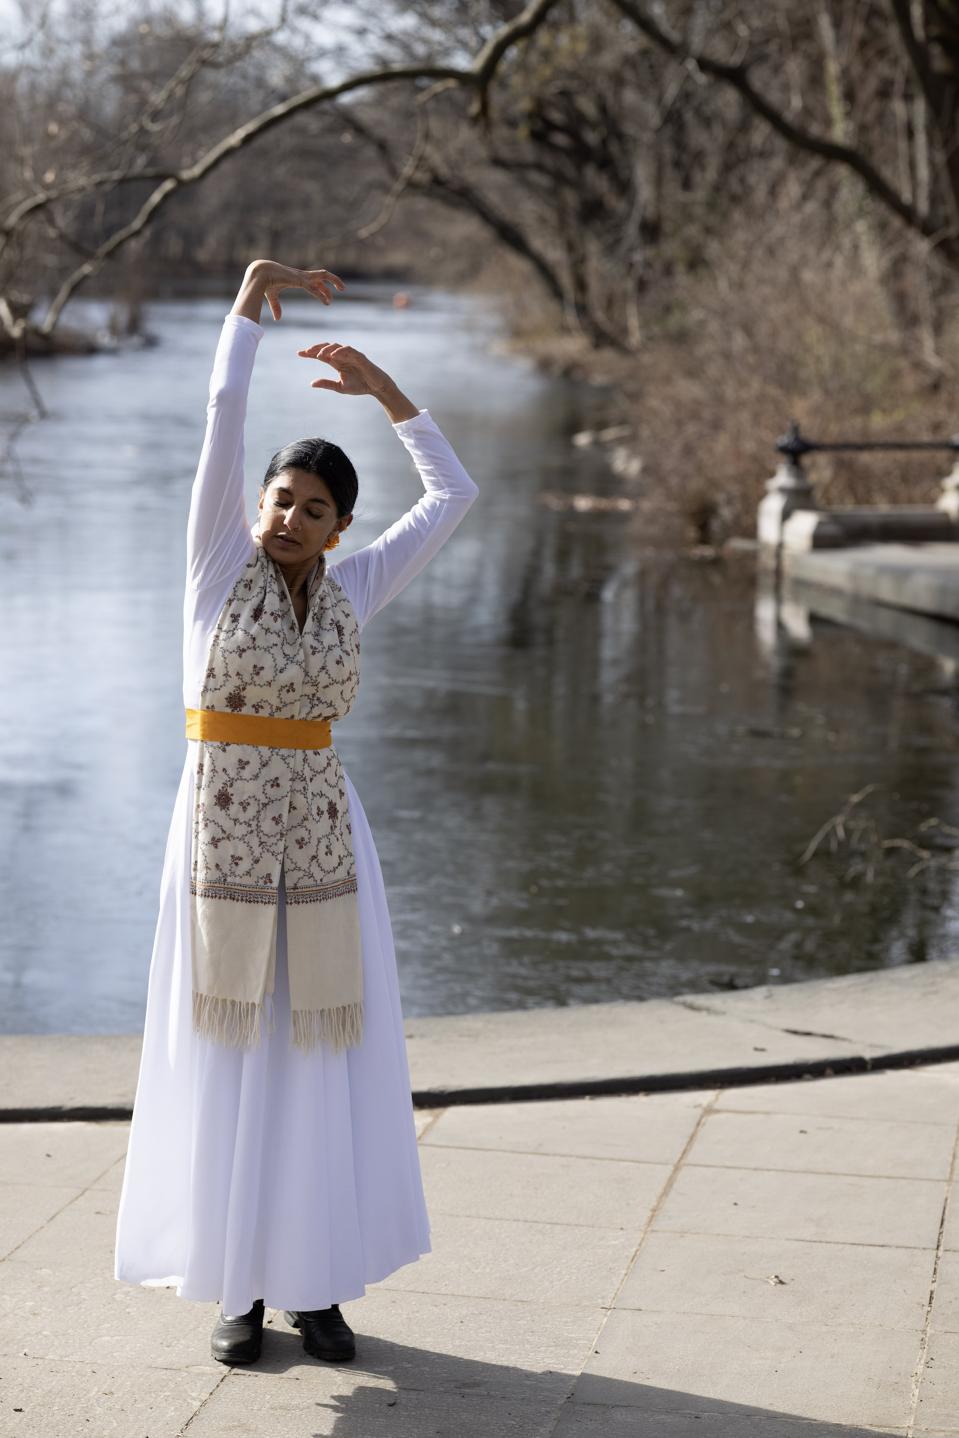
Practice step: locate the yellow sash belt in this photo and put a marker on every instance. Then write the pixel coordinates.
(264, 729)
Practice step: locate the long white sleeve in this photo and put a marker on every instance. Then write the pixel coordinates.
(375, 574)
(218, 534)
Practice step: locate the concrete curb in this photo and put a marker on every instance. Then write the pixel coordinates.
(691, 1079)
(856, 1023)
(577, 1088)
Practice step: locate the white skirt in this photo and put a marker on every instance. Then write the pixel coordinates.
(271, 1173)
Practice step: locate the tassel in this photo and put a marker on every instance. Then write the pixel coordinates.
(340, 1026)
(235, 1022)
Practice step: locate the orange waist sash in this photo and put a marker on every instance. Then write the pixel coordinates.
(224, 728)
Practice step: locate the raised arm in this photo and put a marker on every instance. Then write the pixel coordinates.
(375, 574)
(218, 535)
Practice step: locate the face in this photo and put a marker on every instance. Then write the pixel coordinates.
(298, 516)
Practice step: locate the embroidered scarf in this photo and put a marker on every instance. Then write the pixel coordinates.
(259, 809)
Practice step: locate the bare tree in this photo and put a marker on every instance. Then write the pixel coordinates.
(137, 163)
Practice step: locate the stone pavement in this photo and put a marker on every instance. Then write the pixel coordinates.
(778, 1260)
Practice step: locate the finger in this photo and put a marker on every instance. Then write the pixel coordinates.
(314, 282)
(331, 363)
(329, 275)
(327, 359)
(322, 279)
(333, 384)
(326, 354)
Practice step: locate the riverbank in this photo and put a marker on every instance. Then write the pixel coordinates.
(698, 405)
(780, 1258)
(880, 1019)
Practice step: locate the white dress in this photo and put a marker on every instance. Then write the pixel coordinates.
(273, 1173)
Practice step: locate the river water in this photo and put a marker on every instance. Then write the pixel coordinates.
(589, 773)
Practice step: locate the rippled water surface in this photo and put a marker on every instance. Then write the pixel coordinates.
(588, 768)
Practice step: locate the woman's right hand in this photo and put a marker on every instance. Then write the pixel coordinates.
(270, 277)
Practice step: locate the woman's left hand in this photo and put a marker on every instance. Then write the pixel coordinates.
(357, 374)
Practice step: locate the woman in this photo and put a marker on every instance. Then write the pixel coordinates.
(272, 1158)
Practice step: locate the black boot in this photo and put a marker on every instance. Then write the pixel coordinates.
(326, 1333)
(238, 1340)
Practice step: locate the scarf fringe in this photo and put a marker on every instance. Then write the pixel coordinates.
(235, 1022)
(339, 1027)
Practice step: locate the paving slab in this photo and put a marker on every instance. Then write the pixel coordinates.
(579, 1420)
(950, 1232)
(651, 1128)
(451, 1342)
(921, 1095)
(249, 1405)
(544, 1263)
(939, 1395)
(57, 1398)
(75, 1154)
(112, 1178)
(821, 1143)
(784, 1279)
(945, 1310)
(60, 1312)
(682, 1362)
(79, 1236)
(26, 1207)
(821, 1207)
(541, 1187)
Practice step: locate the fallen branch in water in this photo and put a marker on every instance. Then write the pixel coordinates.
(860, 833)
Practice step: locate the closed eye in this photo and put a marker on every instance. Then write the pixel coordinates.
(285, 494)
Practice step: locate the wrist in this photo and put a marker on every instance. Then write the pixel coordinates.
(255, 275)
(251, 294)
(398, 407)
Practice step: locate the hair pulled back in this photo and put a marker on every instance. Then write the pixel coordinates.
(324, 459)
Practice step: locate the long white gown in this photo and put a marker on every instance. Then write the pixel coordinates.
(273, 1173)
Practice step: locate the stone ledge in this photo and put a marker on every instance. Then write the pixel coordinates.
(880, 1019)
(920, 577)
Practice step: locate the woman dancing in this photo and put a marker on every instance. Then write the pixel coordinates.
(272, 1158)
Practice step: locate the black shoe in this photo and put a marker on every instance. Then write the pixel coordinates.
(326, 1333)
(238, 1340)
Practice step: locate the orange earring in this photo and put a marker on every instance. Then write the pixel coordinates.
(332, 543)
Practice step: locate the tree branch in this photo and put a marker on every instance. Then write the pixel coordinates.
(737, 76)
(478, 75)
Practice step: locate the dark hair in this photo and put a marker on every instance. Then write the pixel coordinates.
(324, 459)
